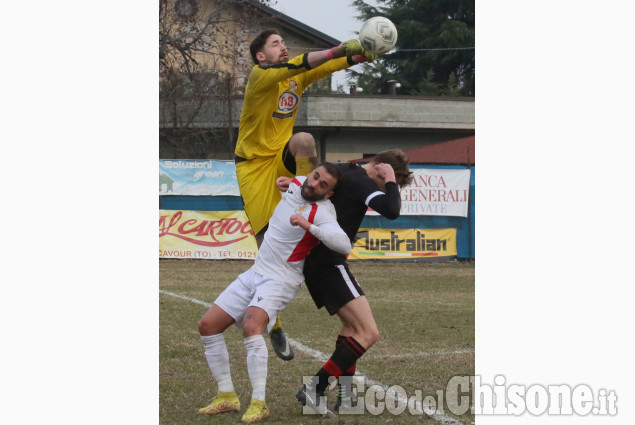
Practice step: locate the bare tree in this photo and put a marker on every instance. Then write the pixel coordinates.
(200, 67)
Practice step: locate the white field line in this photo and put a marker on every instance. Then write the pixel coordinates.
(419, 354)
(322, 357)
(183, 297)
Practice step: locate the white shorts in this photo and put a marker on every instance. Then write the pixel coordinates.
(252, 289)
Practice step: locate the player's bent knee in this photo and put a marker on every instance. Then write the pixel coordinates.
(252, 328)
(204, 328)
(303, 144)
(373, 336)
(207, 326)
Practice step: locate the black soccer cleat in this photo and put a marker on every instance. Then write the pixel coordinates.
(345, 403)
(315, 400)
(280, 345)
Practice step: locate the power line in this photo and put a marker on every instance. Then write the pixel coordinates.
(441, 48)
(398, 50)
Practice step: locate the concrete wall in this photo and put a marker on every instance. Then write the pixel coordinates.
(339, 110)
(348, 126)
(386, 112)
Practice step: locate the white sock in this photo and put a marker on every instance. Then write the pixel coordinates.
(257, 357)
(218, 360)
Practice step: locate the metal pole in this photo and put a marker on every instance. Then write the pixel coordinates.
(230, 127)
(469, 216)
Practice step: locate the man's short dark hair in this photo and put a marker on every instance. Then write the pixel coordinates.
(259, 42)
(333, 170)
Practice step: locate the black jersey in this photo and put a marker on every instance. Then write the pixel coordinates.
(352, 198)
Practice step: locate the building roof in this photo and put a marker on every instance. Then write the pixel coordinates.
(327, 39)
(457, 151)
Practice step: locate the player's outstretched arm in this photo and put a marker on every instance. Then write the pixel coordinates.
(330, 233)
(350, 48)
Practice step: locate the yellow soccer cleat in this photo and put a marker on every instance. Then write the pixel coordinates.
(257, 411)
(223, 402)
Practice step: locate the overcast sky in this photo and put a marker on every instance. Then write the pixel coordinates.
(335, 18)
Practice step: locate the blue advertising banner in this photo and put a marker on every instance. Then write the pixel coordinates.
(197, 177)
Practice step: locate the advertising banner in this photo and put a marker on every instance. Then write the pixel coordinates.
(206, 235)
(436, 192)
(393, 244)
(197, 177)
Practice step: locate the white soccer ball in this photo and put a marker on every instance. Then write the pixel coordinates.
(378, 35)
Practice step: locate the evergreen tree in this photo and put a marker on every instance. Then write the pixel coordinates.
(435, 53)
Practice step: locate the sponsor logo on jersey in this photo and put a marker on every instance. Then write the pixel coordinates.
(282, 116)
(293, 85)
(288, 101)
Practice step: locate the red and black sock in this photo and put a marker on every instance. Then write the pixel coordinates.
(349, 372)
(344, 358)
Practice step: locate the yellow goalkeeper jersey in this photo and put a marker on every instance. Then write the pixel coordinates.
(270, 107)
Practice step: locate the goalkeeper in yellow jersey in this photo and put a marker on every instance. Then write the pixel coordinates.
(266, 146)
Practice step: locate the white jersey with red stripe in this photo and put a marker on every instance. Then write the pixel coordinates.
(284, 248)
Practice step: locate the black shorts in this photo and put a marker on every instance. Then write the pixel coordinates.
(332, 287)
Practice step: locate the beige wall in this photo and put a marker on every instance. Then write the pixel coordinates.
(238, 26)
(341, 157)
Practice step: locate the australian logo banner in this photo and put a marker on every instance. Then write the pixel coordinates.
(197, 177)
(206, 235)
(393, 244)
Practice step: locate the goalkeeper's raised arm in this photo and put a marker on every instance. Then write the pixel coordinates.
(269, 49)
(350, 49)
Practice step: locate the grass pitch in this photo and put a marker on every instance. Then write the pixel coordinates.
(425, 315)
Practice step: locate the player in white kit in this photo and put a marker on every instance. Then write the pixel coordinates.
(302, 219)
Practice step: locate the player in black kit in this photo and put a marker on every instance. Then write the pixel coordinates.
(328, 278)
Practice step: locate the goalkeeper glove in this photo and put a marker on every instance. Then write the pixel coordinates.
(365, 57)
(348, 48)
